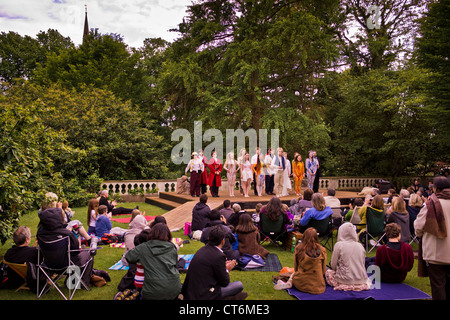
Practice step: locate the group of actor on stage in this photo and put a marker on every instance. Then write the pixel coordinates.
(271, 171)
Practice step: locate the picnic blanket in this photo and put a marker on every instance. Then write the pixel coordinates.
(388, 291)
(117, 245)
(127, 219)
(120, 266)
(272, 264)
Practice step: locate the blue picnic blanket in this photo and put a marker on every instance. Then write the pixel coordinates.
(120, 266)
(387, 291)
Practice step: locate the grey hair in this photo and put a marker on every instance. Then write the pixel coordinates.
(404, 193)
(21, 235)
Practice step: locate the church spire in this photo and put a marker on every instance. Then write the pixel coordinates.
(86, 25)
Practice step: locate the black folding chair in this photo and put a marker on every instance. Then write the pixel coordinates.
(57, 262)
(272, 231)
(325, 229)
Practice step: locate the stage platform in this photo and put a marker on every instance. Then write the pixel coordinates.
(180, 206)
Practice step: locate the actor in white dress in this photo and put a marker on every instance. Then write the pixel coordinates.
(287, 185)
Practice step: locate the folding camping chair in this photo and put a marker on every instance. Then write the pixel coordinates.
(56, 263)
(413, 212)
(337, 218)
(272, 231)
(325, 229)
(21, 269)
(375, 227)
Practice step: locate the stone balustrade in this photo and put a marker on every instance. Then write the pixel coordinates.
(126, 187)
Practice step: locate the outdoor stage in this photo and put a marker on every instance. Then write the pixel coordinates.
(180, 205)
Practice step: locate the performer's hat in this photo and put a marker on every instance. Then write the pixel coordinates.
(194, 153)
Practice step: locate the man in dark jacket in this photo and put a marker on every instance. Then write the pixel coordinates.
(208, 274)
(104, 194)
(214, 216)
(200, 214)
(20, 253)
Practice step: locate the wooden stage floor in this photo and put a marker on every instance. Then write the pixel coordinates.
(180, 206)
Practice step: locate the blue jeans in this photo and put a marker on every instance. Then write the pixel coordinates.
(232, 288)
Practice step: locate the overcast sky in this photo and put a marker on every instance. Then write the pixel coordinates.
(135, 20)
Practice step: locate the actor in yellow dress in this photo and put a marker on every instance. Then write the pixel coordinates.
(298, 169)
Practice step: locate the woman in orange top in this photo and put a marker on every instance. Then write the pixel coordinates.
(259, 174)
(298, 169)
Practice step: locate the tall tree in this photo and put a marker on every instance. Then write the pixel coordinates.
(103, 60)
(21, 55)
(433, 50)
(379, 33)
(239, 59)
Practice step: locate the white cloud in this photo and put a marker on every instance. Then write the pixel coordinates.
(135, 20)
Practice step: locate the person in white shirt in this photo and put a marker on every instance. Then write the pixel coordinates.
(195, 166)
(331, 200)
(287, 185)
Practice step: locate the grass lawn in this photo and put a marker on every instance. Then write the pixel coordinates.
(258, 285)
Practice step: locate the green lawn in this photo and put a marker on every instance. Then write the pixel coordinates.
(258, 285)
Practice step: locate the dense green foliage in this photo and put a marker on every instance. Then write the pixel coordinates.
(369, 100)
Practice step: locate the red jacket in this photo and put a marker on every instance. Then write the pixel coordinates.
(213, 167)
(394, 264)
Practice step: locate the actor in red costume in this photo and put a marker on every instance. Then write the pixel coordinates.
(215, 168)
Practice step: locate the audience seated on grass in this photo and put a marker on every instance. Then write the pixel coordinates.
(354, 202)
(348, 271)
(249, 237)
(310, 264)
(273, 211)
(132, 282)
(304, 202)
(208, 276)
(226, 211)
(234, 217)
(103, 223)
(159, 258)
(136, 225)
(395, 258)
(414, 206)
(255, 216)
(51, 228)
(319, 211)
(111, 205)
(400, 215)
(215, 220)
(200, 216)
(20, 253)
(331, 200)
(375, 203)
(92, 215)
